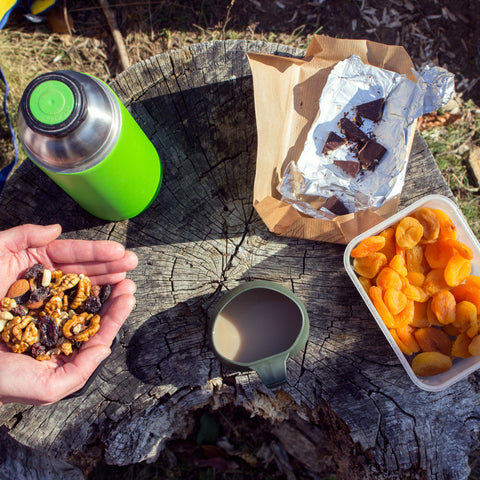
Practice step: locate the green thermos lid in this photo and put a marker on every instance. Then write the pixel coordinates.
(53, 104)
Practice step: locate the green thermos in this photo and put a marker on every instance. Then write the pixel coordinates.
(75, 129)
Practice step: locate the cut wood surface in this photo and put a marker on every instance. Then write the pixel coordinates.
(347, 396)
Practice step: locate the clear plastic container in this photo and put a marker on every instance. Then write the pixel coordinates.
(462, 367)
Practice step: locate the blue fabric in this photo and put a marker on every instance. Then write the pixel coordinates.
(5, 171)
(4, 19)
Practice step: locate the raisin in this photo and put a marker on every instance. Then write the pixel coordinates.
(39, 294)
(105, 292)
(37, 349)
(47, 326)
(23, 298)
(35, 271)
(92, 304)
(18, 311)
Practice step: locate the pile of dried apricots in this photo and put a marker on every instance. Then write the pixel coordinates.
(418, 276)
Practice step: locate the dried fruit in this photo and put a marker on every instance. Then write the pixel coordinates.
(457, 270)
(368, 245)
(444, 307)
(409, 232)
(433, 339)
(35, 271)
(370, 265)
(47, 326)
(427, 364)
(429, 222)
(421, 286)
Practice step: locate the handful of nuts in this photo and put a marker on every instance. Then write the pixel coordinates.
(418, 277)
(49, 313)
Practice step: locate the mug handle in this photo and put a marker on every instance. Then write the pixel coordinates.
(273, 372)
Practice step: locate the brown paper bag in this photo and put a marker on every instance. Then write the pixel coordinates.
(287, 91)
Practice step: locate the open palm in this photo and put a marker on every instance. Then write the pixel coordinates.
(26, 380)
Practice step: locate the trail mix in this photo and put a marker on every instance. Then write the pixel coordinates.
(418, 276)
(47, 313)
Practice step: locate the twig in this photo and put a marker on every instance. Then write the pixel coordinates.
(227, 18)
(117, 36)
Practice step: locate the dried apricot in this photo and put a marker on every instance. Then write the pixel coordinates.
(366, 283)
(457, 270)
(467, 291)
(420, 318)
(447, 227)
(416, 278)
(451, 330)
(465, 315)
(409, 232)
(460, 346)
(395, 300)
(435, 282)
(427, 364)
(389, 278)
(432, 318)
(370, 265)
(404, 348)
(433, 339)
(461, 248)
(407, 337)
(405, 317)
(430, 223)
(414, 293)
(444, 307)
(389, 248)
(377, 300)
(397, 263)
(368, 245)
(474, 346)
(415, 259)
(437, 254)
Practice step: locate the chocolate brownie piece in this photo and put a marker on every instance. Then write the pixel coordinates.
(350, 167)
(372, 110)
(335, 205)
(370, 154)
(351, 131)
(332, 142)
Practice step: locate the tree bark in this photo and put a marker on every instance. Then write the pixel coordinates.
(347, 398)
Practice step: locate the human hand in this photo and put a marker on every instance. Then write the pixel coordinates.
(26, 380)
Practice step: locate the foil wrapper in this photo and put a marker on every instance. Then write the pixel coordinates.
(313, 178)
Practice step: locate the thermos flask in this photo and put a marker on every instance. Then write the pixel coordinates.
(75, 129)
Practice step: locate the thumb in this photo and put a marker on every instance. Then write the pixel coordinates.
(80, 369)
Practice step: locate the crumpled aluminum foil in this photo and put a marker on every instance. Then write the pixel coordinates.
(309, 181)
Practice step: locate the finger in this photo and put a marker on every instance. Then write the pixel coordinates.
(27, 236)
(84, 251)
(127, 262)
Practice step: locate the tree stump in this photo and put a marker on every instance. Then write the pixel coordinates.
(347, 401)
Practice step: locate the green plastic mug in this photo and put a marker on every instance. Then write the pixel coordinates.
(257, 326)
